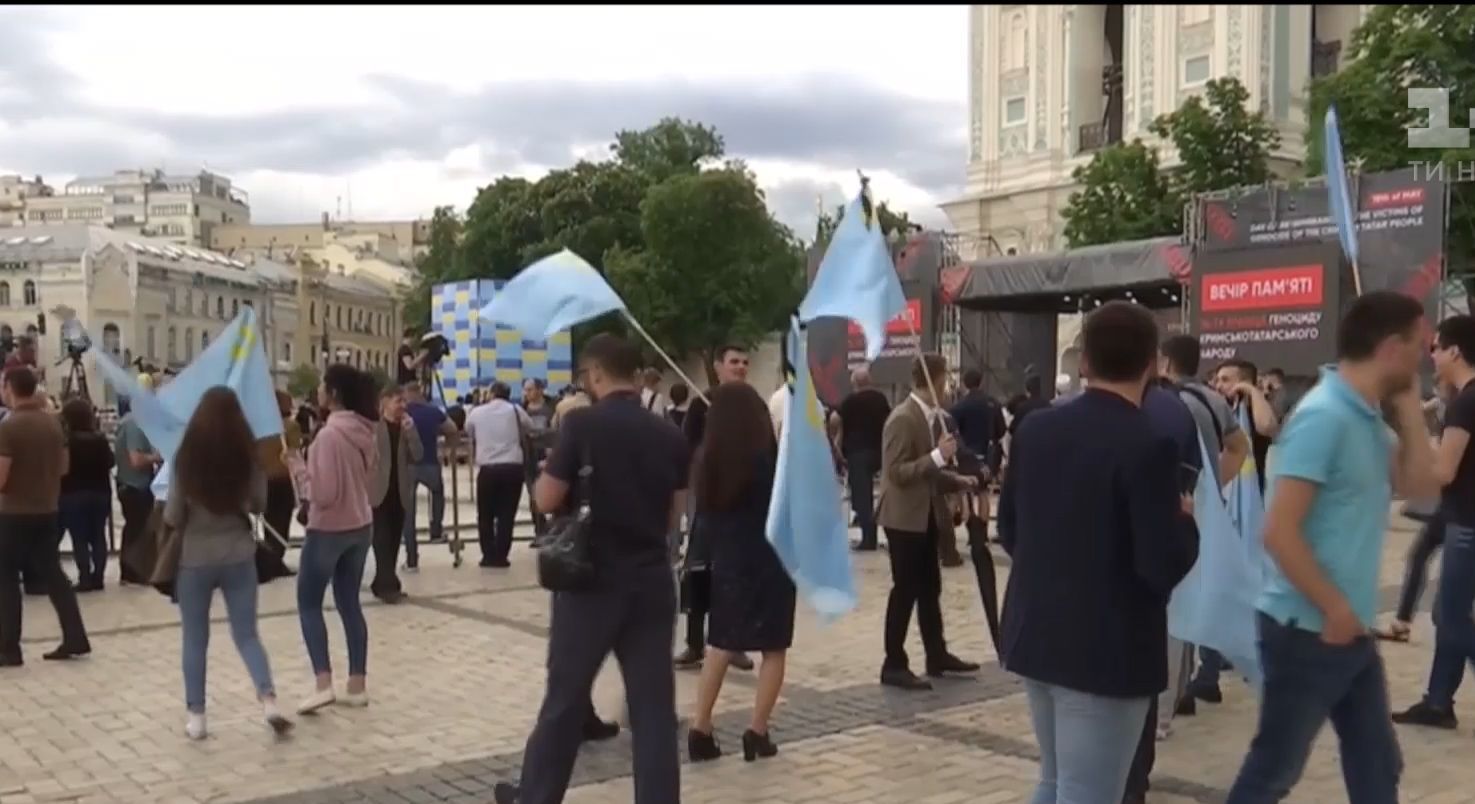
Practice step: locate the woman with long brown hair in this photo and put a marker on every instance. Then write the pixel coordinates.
(86, 493)
(216, 486)
(752, 595)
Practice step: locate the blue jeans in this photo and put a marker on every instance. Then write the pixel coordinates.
(195, 589)
(1454, 634)
(429, 476)
(84, 514)
(1308, 682)
(1086, 743)
(335, 558)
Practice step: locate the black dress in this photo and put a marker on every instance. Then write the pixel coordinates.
(752, 596)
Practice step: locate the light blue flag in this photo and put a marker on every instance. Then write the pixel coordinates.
(236, 360)
(857, 278)
(1214, 605)
(1340, 200)
(805, 523)
(552, 294)
(1245, 501)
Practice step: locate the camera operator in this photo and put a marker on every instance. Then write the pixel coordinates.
(410, 358)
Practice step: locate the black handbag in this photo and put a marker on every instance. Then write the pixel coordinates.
(565, 563)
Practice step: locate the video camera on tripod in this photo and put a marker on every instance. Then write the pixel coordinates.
(77, 342)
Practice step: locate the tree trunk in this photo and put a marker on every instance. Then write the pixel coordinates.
(709, 363)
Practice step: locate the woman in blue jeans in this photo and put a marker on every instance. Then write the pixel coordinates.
(86, 494)
(216, 486)
(339, 530)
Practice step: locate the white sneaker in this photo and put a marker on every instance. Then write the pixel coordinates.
(355, 699)
(275, 719)
(194, 727)
(316, 701)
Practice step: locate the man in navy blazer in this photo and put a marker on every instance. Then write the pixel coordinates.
(1085, 614)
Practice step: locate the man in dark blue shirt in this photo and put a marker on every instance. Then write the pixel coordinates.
(1085, 615)
(1169, 418)
(980, 420)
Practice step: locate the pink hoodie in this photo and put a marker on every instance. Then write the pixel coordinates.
(338, 466)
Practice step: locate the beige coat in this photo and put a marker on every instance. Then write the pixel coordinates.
(912, 485)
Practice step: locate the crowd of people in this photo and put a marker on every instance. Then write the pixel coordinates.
(677, 487)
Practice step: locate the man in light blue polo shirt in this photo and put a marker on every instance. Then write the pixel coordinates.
(1330, 487)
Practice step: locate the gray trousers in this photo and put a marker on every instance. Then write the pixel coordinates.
(633, 615)
(1180, 670)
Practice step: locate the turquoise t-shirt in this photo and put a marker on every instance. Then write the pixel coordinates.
(1338, 441)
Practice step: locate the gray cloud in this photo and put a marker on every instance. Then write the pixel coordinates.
(829, 121)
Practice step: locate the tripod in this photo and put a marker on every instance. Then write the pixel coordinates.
(75, 381)
(432, 373)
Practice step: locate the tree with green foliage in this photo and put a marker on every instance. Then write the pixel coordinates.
(1125, 192)
(716, 267)
(303, 382)
(669, 148)
(1124, 195)
(892, 223)
(1398, 47)
(440, 263)
(1220, 143)
(666, 217)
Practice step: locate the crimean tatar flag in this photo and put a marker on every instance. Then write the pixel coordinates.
(236, 360)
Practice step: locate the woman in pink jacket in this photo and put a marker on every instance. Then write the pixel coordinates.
(339, 520)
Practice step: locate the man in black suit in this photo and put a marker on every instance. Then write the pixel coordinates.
(1085, 614)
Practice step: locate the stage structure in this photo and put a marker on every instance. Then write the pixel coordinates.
(483, 352)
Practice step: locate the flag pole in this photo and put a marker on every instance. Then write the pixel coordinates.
(662, 352)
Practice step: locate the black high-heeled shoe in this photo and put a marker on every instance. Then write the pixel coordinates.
(703, 747)
(757, 746)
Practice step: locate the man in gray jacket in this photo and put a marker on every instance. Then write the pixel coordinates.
(393, 491)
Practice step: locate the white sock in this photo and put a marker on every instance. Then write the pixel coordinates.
(194, 727)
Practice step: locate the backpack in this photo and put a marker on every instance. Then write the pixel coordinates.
(1202, 399)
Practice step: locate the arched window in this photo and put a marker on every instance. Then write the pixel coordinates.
(4, 294)
(151, 353)
(6, 333)
(312, 313)
(204, 339)
(30, 293)
(235, 308)
(189, 343)
(220, 307)
(339, 321)
(111, 339)
(204, 305)
(189, 300)
(1015, 43)
(287, 351)
(173, 345)
(32, 332)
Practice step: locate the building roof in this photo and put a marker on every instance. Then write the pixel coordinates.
(70, 241)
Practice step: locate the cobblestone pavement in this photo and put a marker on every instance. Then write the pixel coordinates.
(457, 673)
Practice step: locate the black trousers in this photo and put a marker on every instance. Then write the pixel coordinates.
(698, 593)
(281, 501)
(916, 583)
(633, 615)
(389, 529)
(498, 492)
(138, 506)
(540, 519)
(28, 543)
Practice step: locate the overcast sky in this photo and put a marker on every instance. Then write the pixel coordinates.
(408, 108)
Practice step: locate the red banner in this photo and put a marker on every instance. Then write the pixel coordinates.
(900, 325)
(1267, 289)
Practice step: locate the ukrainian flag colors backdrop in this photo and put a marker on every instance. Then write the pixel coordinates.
(483, 352)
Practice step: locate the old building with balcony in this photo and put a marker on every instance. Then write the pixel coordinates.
(1050, 85)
